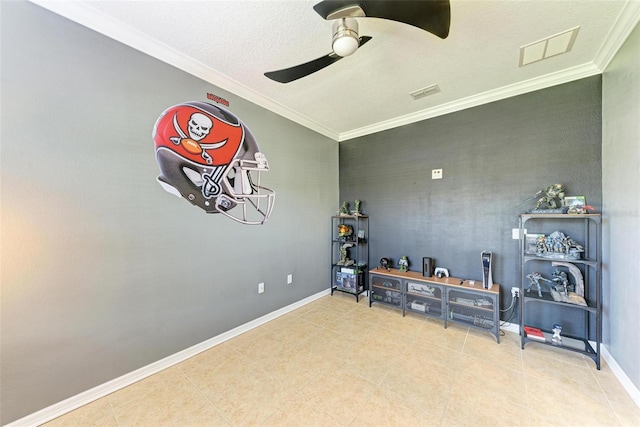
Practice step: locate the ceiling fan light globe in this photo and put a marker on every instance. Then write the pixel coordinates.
(345, 46)
(345, 36)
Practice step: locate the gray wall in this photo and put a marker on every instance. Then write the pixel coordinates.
(103, 272)
(493, 158)
(620, 178)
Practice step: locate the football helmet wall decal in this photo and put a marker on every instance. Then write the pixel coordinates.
(209, 157)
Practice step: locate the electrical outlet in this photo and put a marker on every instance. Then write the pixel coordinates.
(260, 287)
(515, 292)
(436, 173)
(289, 279)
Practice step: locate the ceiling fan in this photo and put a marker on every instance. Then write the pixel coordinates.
(433, 16)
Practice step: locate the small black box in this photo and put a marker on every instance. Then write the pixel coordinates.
(427, 267)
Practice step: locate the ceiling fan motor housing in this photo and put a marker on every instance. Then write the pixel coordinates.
(345, 36)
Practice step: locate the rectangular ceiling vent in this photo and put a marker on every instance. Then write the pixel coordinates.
(421, 93)
(549, 47)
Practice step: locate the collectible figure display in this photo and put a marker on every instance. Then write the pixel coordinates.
(385, 263)
(551, 193)
(345, 231)
(556, 338)
(344, 209)
(403, 264)
(560, 288)
(356, 210)
(557, 245)
(344, 255)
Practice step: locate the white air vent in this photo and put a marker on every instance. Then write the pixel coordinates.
(421, 93)
(549, 47)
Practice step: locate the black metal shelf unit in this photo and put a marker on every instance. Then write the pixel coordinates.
(349, 254)
(584, 338)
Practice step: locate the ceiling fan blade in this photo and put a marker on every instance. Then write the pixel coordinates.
(433, 16)
(287, 75)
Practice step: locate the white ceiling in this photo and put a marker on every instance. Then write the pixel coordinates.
(231, 43)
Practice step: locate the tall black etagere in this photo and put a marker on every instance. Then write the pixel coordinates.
(350, 276)
(585, 326)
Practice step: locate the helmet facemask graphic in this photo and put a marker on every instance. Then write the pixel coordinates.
(209, 157)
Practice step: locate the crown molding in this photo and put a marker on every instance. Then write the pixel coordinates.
(627, 21)
(531, 85)
(83, 14)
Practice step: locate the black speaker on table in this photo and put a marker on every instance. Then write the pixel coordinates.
(427, 267)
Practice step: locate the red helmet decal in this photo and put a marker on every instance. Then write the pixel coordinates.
(198, 135)
(209, 157)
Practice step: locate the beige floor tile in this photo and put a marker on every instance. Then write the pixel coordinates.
(96, 413)
(335, 362)
(248, 400)
(453, 337)
(390, 410)
(143, 391)
(340, 393)
(427, 389)
(484, 377)
(628, 413)
(612, 388)
(298, 368)
(468, 407)
(300, 411)
(563, 402)
(563, 372)
(508, 352)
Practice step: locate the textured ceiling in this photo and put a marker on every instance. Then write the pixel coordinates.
(232, 43)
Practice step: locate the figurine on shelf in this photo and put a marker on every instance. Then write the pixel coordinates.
(578, 288)
(403, 264)
(356, 210)
(534, 281)
(344, 231)
(556, 338)
(548, 201)
(561, 280)
(344, 209)
(344, 255)
(558, 245)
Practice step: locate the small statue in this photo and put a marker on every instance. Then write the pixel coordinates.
(344, 209)
(556, 338)
(548, 201)
(345, 231)
(560, 279)
(558, 245)
(344, 255)
(356, 210)
(403, 264)
(534, 281)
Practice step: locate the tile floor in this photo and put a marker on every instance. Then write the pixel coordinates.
(336, 362)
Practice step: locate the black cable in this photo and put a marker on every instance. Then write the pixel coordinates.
(513, 312)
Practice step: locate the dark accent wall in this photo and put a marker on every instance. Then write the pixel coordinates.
(493, 158)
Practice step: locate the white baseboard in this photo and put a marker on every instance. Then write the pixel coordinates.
(633, 391)
(621, 376)
(54, 411)
(58, 409)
